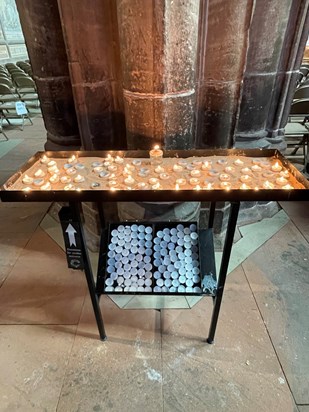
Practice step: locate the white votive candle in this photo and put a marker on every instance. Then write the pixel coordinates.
(47, 186)
(276, 167)
(39, 173)
(27, 180)
(79, 179)
(54, 178)
(156, 155)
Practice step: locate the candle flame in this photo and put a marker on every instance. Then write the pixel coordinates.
(27, 189)
(177, 186)
(78, 189)
(197, 187)
(156, 147)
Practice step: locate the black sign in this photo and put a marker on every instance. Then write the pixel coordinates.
(72, 239)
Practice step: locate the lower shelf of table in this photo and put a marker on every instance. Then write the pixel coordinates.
(207, 267)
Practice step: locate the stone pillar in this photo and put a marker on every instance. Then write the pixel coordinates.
(223, 38)
(277, 36)
(158, 41)
(91, 38)
(43, 35)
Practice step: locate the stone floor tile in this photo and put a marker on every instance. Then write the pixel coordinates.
(11, 245)
(40, 288)
(121, 374)
(21, 217)
(303, 408)
(278, 275)
(33, 361)
(299, 214)
(239, 372)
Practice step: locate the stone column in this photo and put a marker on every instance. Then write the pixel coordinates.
(91, 38)
(158, 40)
(276, 42)
(43, 35)
(223, 38)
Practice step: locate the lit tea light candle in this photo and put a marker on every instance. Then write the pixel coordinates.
(47, 186)
(287, 187)
(281, 181)
(181, 182)
(27, 189)
(72, 159)
(79, 189)
(256, 168)
(119, 160)
(159, 169)
(246, 171)
(224, 177)
(112, 183)
(51, 163)
(243, 186)
(54, 178)
(238, 162)
(177, 168)
(53, 169)
(65, 179)
(206, 165)
(27, 180)
(195, 173)
(197, 187)
(98, 169)
(79, 179)
(245, 178)
(177, 186)
(44, 159)
(38, 182)
(268, 185)
(142, 186)
(112, 168)
(95, 185)
(276, 167)
(39, 173)
(69, 187)
(164, 176)
(209, 186)
(285, 173)
(156, 155)
(129, 180)
(153, 180)
(109, 157)
(256, 188)
(71, 171)
(156, 186)
(194, 181)
(226, 185)
(229, 169)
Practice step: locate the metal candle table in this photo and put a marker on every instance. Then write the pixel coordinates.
(72, 217)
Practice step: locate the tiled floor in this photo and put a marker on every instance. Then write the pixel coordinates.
(52, 360)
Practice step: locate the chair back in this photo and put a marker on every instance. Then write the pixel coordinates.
(302, 92)
(300, 107)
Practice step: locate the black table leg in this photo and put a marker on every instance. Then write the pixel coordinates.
(76, 208)
(223, 269)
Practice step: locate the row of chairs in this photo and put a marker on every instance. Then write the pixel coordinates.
(17, 93)
(297, 128)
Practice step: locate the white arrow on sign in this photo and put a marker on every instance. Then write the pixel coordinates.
(71, 233)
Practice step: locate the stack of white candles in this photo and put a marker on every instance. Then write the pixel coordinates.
(173, 251)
